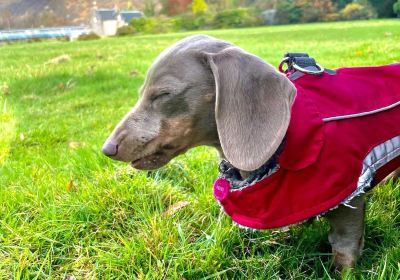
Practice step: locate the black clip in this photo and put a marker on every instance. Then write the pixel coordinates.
(300, 62)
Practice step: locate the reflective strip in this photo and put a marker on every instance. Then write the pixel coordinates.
(362, 114)
(376, 158)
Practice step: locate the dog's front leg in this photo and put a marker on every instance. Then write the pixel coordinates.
(347, 233)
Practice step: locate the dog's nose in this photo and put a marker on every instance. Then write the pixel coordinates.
(110, 148)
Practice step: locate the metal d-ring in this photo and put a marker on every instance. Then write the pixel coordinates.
(312, 72)
(284, 60)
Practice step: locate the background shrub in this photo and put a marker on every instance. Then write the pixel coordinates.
(161, 24)
(206, 16)
(199, 6)
(355, 11)
(125, 30)
(288, 12)
(240, 17)
(193, 21)
(340, 4)
(316, 10)
(90, 36)
(331, 17)
(143, 24)
(158, 24)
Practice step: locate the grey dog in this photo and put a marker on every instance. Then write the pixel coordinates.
(189, 99)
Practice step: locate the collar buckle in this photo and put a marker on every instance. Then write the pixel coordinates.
(301, 62)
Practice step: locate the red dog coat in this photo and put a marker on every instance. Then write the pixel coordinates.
(343, 136)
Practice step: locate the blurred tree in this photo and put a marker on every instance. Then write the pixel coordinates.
(384, 8)
(220, 5)
(288, 12)
(149, 7)
(292, 11)
(175, 7)
(48, 19)
(396, 8)
(260, 4)
(357, 10)
(199, 6)
(6, 19)
(315, 10)
(340, 4)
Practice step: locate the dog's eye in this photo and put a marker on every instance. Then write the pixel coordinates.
(161, 95)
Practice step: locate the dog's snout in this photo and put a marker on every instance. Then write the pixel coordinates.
(110, 148)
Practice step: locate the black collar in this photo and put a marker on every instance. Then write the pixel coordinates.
(232, 174)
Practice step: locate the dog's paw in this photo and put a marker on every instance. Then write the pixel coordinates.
(343, 261)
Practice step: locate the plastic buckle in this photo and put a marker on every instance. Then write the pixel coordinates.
(299, 62)
(296, 54)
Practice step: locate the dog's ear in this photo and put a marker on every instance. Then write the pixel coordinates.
(253, 103)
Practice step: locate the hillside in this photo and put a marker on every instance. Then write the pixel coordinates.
(33, 13)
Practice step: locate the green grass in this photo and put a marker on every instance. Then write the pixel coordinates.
(65, 209)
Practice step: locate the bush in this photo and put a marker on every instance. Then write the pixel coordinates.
(63, 39)
(355, 11)
(294, 11)
(90, 36)
(240, 17)
(159, 24)
(193, 21)
(162, 24)
(142, 25)
(331, 17)
(125, 30)
(288, 12)
(317, 10)
(340, 4)
(199, 6)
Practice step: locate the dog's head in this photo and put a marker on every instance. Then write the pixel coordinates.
(204, 91)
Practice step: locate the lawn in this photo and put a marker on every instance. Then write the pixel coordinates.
(67, 210)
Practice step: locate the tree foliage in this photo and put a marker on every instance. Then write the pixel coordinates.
(199, 6)
(292, 11)
(354, 11)
(396, 8)
(176, 7)
(340, 4)
(384, 8)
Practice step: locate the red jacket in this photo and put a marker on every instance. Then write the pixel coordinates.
(343, 136)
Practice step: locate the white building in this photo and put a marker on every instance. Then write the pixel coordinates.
(105, 22)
